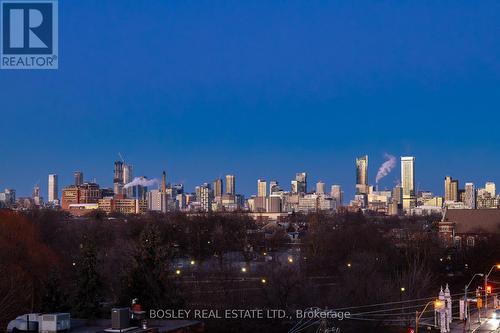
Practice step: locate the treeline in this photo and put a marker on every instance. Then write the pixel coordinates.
(52, 262)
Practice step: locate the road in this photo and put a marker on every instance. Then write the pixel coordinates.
(487, 325)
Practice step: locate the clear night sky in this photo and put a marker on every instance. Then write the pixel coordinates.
(260, 89)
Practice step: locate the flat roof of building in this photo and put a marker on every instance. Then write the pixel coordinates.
(474, 220)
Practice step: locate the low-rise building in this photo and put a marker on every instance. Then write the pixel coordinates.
(460, 227)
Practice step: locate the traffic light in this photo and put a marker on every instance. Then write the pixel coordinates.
(488, 289)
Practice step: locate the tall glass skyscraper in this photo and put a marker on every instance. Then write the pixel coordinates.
(53, 195)
(230, 185)
(261, 188)
(408, 181)
(362, 175)
(218, 188)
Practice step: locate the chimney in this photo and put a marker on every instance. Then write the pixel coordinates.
(164, 182)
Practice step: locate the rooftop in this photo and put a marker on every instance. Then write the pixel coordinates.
(474, 220)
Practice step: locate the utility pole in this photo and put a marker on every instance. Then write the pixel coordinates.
(497, 266)
(466, 315)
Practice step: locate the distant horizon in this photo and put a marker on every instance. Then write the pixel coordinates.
(261, 90)
(348, 190)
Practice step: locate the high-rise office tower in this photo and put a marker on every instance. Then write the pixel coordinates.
(461, 195)
(157, 201)
(118, 178)
(53, 189)
(274, 187)
(362, 175)
(490, 187)
(139, 192)
(128, 171)
(205, 197)
(299, 185)
(36, 191)
(37, 195)
(118, 172)
(181, 201)
(408, 181)
(274, 204)
(337, 194)
(261, 188)
(470, 196)
(397, 195)
(78, 175)
(8, 196)
(218, 188)
(230, 185)
(320, 187)
(451, 192)
(177, 188)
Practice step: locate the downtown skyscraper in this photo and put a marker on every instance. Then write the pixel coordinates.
(320, 187)
(299, 185)
(450, 189)
(230, 185)
(52, 195)
(362, 175)
(337, 194)
(261, 188)
(217, 188)
(118, 178)
(470, 196)
(408, 181)
(78, 176)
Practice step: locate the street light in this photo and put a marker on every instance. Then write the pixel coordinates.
(243, 269)
(437, 306)
(402, 289)
(497, 266)
(465, 293)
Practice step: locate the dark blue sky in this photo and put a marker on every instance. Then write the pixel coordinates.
(259, 89)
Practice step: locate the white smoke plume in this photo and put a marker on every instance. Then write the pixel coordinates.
(386, 167)
(143, 181)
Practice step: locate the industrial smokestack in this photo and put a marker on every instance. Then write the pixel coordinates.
(164, 182)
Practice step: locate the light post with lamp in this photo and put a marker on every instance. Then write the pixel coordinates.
(465, 297)
(437, 305)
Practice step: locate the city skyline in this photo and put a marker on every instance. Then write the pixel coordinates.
(249, 166)
(262, 90)
(393, 178)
